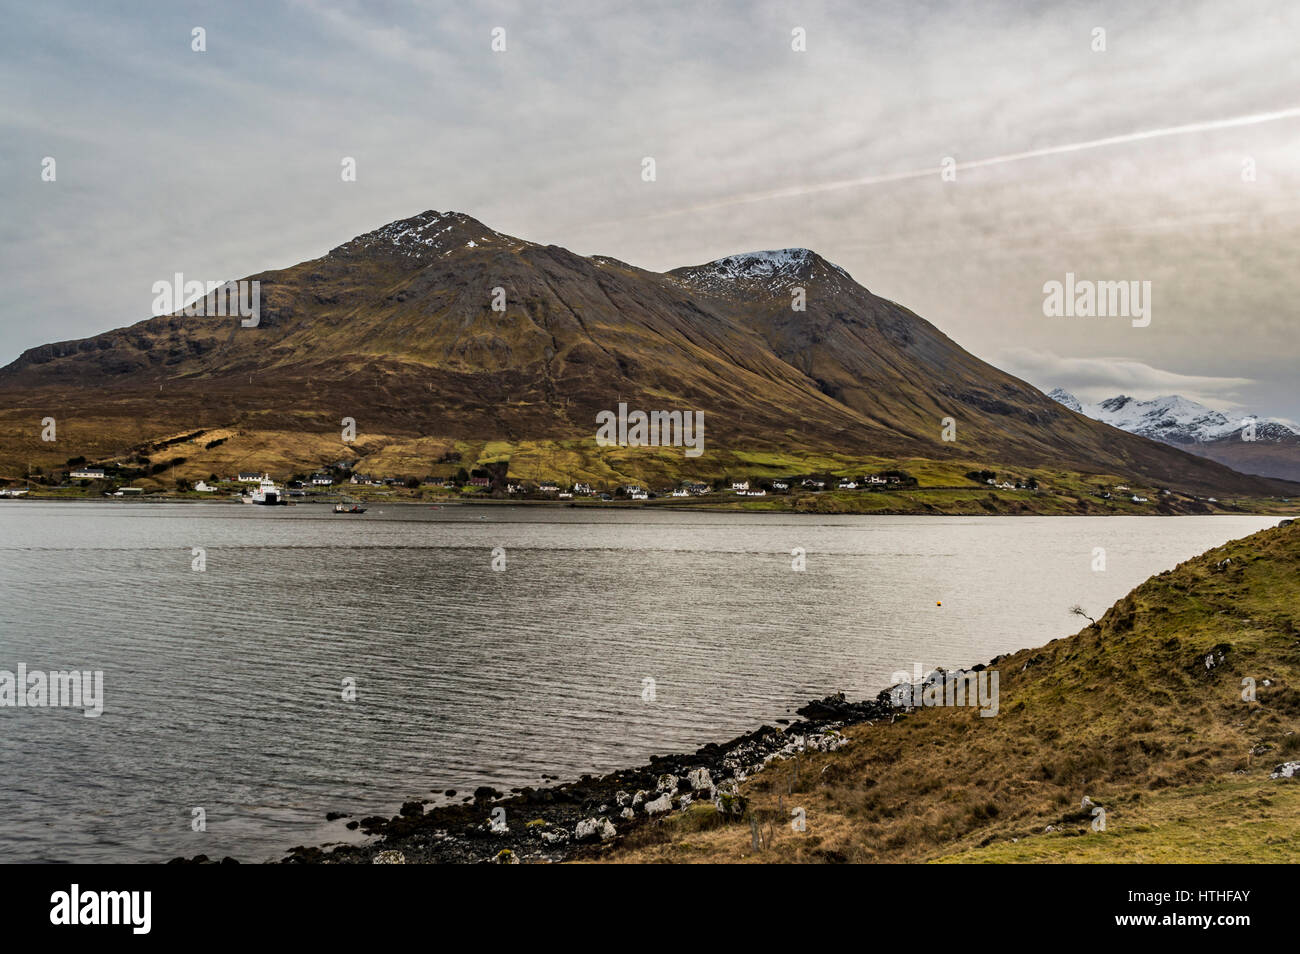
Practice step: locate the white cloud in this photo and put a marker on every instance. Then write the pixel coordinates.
(227, 163)
(1094, 379)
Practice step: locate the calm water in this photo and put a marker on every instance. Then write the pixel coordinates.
(223, 687)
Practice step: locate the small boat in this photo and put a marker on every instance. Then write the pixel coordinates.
(340, 508)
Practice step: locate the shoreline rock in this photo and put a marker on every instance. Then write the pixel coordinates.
(589, 816)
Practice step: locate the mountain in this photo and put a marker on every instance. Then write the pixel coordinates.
(1273, 452)
(1065, 397)
(396, 329)
(1172, 419)
(1270, 449)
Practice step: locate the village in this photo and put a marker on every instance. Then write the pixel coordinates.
(490, 481)
(348, 483)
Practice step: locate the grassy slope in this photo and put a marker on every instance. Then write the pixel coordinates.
(943, 487)
(1125, 712)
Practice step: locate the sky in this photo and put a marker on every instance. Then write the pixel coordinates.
(1165, 149)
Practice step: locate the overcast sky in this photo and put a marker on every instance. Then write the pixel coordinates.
(222, 163)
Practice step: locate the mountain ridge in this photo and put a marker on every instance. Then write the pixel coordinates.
(1271, 450)
(437, 325)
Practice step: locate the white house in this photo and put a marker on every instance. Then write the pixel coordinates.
(203, 488)
(88, 473)
(249, 477)
(740, 485)
(322, 480)
(847, 485)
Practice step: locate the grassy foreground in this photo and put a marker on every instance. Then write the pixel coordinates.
(1143, 712)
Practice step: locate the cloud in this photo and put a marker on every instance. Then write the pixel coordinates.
(801, 191)
(1094, 379)
(226, 163)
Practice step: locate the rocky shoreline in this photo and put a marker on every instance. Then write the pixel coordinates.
(587, 817)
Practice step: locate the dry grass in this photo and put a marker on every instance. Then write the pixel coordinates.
(1125, 712)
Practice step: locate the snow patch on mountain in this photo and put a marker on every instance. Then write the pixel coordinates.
(763, 264)
(773, 269)
(427, 233)
(1061, 396)
(1172, 418)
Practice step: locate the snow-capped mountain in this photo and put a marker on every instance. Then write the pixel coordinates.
(1172, 418)
(765, 264)
(1062, 396)
(1269, 448)
(425, 236)
(773, 270)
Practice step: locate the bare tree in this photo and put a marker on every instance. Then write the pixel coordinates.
(1077, 610)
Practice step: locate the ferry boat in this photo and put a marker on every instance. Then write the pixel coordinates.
(267, 493)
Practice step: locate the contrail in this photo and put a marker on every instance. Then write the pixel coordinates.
(795, 191)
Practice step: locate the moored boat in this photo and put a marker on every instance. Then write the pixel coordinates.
(267, 493)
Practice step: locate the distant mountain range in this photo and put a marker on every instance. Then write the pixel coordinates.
(397, 330)
(1270, 448)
